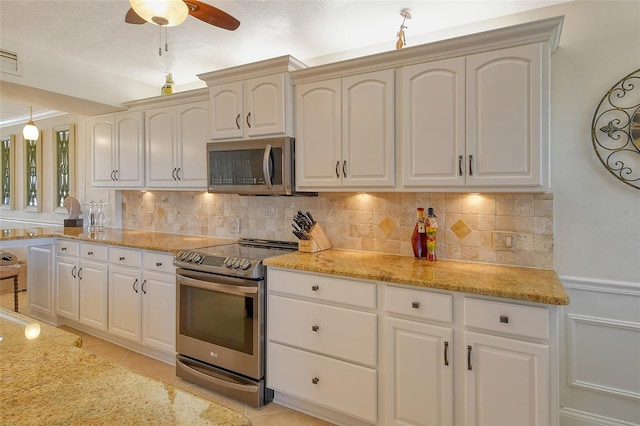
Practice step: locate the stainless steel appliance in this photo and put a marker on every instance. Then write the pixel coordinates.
(253, 167)
(220, 330)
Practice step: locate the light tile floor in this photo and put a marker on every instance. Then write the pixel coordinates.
(270, 415)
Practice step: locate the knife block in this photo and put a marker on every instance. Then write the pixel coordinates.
(318, 241)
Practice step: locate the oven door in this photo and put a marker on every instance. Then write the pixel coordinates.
(220, 321)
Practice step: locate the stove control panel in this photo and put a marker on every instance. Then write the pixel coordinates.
(189, 256)
(237, 263)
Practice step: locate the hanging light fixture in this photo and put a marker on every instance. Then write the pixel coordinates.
(165, 13)
(30, 131)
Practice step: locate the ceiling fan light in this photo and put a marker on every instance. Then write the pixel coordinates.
(30, 132)
(173, 12)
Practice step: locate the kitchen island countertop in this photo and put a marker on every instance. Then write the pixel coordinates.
(511, 282)
(51, 380)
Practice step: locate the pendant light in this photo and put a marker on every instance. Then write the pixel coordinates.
(167, 13)
(30, 131)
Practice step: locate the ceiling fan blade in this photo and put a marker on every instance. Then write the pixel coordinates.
(133, 18)
(211, 15)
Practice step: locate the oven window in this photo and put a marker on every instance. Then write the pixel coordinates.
(222, 319)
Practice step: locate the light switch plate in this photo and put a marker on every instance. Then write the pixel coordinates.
(504, 241)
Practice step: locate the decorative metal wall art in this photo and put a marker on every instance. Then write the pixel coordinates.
(615, 130)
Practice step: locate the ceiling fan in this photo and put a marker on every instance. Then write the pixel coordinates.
(169, 13)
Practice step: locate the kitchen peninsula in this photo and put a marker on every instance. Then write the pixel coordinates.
(51, 380)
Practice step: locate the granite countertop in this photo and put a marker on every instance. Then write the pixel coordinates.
(511, 282)
(144, 240)
(51, 380)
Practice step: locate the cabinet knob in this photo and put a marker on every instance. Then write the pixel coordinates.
(315, 380)
(158, 264)
(315, 288)
(504, 319)
(122, 258)
(89, 253)
(315, 328)
(63, 249)
(415, 305)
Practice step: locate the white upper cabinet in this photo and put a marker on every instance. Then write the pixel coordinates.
(477, 121)
(345, 132)
(508, 117)
(175, 143)
(117, 153)
(253, 100)
(433, 123)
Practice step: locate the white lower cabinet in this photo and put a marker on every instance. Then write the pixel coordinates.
(417, 357)
(142, 301)
(40, 281)
(322, 341)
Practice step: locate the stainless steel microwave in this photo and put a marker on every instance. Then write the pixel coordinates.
(253, 167)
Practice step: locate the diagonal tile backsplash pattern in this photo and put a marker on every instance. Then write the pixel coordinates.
(379, 222)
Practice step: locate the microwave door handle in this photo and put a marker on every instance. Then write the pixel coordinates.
(266, 162)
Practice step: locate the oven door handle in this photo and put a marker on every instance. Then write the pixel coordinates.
(224, 288)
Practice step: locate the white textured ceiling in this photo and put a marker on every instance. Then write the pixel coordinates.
(93, 32)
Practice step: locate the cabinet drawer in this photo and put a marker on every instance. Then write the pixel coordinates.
(159, 262)
(330, 330)
(323, 288)
(526, 321)
(94, 251)
(419, 304)
(125, 257)
(68, 248)
(335, 384)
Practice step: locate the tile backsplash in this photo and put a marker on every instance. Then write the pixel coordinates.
(378, 222)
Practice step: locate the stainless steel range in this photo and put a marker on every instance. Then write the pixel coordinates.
(220, 330)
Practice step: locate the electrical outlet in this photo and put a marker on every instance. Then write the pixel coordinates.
(234, 224)
(505, 241)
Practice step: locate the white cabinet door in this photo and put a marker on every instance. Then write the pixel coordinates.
(160, 147)
(433, 124)
(265, 105)
(507, 126)
(117, 153)
(40, 280)
(420, 371)
(319, 134)
(506, 381)
(124, 302)
(192, 138)
(368, 130)
(158, 311)
(93, 289)
(227, 113)
(67, 287)
(101, 133)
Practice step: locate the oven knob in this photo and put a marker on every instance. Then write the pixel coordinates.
(245, 264)
(230, 262)
(191, 256)
(197, 258)
(238, 263)
(184, 255)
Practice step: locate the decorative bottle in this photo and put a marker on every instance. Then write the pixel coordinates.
(167, 89)
(100, 219)
(92, 216)
(431, 228)
(419, 236)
